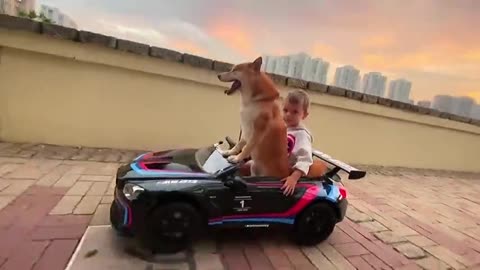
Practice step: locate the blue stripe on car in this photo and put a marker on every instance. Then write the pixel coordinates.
(273, 220)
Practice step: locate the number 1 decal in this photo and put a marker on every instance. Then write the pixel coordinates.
(241, 199)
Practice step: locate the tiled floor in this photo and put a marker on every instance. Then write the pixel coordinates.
(397, 219)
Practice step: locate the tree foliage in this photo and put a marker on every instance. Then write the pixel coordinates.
(34, 16)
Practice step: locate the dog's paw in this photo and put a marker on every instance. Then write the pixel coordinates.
(234, 158)
(224, 153)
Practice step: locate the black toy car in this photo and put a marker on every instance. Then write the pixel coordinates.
(163, 198)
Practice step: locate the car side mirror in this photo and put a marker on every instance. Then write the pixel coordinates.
(235, 183)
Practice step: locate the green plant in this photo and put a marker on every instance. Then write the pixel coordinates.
(44, 19)
(33, 16)
(22, 13)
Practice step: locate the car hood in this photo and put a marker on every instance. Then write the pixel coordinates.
(177, 163)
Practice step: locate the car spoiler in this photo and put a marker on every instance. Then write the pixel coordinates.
(353, 173)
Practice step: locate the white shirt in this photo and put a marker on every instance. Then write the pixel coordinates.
(300, 148)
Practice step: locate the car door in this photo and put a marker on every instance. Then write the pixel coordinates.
(262, 196)
(268, 198)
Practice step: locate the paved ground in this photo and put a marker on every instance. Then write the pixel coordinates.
(398, 219)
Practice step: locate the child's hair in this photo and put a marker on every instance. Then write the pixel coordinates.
(299, 96)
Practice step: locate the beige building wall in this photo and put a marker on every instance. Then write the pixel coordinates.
(70, 93)
(7, 7)
(11, 7)
(26, 5)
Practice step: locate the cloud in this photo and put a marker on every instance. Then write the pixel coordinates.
(138, 34)
(234, 37)
(188, 47)
(323, 50)
(170, 33)
(378, 41)
(475, 95)
(472, 55)
(433, 43)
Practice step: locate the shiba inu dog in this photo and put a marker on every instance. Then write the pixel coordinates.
(263, 131)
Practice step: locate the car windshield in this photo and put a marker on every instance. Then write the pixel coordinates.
(210, 160)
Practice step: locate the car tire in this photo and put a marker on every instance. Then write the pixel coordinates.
(314, 224)
(168, 219)
(115, 222)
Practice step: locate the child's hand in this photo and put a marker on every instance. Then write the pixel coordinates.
(290, 183)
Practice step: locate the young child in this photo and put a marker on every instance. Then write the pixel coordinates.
(295, 110)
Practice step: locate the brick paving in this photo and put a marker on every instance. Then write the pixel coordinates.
(397, 218)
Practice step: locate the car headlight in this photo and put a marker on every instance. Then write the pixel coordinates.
(132, 191)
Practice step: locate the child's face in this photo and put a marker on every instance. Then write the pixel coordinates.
(293, 113)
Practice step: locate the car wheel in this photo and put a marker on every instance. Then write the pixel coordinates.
(314, 224)
(170, 227)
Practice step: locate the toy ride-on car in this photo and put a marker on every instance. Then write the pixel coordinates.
(163, 198)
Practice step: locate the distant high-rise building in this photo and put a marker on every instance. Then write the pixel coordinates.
(281, 65)
(443, 103)
(12, 7)
(317, 71)
(26, 5)
(463, 106)
(374, 83)
(300, 66)
(475, 112)
(358, 85)
(268, 64)
(264, 63)
(57, 16)
(399, 90)
(424, 103)
(7, 7)
(347, 77)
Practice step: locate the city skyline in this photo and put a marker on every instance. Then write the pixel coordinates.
(372, 35)
(302, 66)
(299, 65)
(54, 14)
(442, 55)
(459, 105)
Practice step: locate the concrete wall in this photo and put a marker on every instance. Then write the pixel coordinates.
(65, 87)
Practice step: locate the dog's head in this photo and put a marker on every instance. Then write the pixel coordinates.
(242, 75)
(248, 79)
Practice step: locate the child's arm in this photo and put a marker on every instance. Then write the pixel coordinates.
(291, 181)
(303, 154)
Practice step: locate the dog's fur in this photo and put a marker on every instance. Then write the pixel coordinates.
(263, 131)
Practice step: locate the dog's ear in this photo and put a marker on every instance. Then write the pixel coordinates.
(257, 64)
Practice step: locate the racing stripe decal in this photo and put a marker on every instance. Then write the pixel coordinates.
(127, 211)
(286, 217)
(142, 170)
(272, 220)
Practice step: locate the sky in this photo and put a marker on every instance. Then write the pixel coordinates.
(435, 44)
